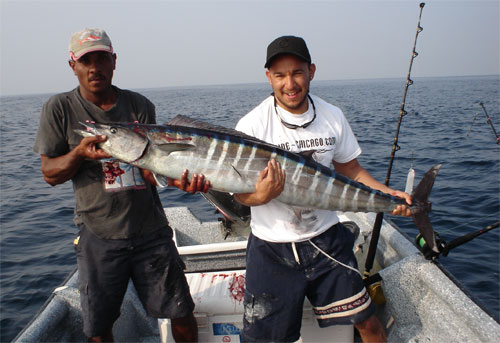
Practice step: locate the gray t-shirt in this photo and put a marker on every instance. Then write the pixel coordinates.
(118, 213)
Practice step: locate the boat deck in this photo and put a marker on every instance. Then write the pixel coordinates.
(423, 304)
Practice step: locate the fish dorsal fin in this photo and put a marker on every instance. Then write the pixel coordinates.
(182, 120)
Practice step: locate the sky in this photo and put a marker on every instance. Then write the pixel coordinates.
(189, 43)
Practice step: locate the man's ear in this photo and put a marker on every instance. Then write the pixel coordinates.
(72, 65)
(268, 75)
(312, 70)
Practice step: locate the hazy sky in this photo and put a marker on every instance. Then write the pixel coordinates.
(181, 43)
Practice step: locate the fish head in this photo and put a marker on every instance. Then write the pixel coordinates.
(124, 141)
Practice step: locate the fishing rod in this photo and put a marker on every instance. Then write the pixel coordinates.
(443, 247)
(395, 147)
(488, 119)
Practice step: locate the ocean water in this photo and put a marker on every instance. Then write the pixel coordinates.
(36, 228)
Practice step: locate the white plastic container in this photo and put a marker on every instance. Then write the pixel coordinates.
(218, 298)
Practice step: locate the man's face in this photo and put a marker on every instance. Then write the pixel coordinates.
(94, 71)
(289, 77)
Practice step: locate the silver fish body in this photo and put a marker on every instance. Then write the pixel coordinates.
(232, 162)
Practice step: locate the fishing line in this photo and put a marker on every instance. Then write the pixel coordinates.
(470, 129)
(488, 120)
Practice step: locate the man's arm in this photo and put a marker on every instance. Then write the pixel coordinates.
(269, 185)
(57, 170)
(355, 171)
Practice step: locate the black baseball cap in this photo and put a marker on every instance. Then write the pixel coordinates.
(287, 45)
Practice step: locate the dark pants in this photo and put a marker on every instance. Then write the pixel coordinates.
(278, 280)
(106, 266)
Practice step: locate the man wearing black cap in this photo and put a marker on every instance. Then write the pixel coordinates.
(124, 233)
(286, 250)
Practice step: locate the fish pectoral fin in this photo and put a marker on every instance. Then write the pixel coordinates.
(161, 180)
(236, 170)
(171, 147)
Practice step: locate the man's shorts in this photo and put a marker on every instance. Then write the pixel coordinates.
(279, 277)
(105, 267)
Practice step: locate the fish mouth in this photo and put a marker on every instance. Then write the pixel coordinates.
(94, 129)
(91, 127)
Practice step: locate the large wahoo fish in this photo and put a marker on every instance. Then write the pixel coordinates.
(232, 162)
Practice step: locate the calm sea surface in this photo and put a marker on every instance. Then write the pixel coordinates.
(36, 219)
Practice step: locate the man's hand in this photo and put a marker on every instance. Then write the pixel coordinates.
(148, 176)
(270, 184)
(402, 210)
(197, 184)
(88, 148)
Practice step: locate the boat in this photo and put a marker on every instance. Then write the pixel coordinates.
(423, 302)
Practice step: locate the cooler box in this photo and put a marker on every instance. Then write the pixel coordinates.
(218, 298)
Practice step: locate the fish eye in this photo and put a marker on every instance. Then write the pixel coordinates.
(113, 130)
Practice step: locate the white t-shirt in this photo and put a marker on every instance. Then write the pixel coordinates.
(331, 139)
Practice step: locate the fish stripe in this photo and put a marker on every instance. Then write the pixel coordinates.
(329, 188)
(222, 157)
(315, 184)
(371, 201)
(298, 171)
(210, 151)
(250, 158)
(355, 199)
(342, 198)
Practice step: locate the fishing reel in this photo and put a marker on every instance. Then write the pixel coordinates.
(443, 247)
(424, 248)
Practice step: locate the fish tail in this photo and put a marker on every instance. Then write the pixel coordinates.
(421, 207)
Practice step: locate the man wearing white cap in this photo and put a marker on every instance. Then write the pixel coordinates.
(124, 233)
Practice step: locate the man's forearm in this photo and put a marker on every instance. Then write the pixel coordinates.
(58, 170)
(249, 199)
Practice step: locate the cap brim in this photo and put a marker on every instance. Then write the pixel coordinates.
(91, 49)
(270, 59)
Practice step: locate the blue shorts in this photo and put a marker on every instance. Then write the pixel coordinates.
(106, 266)
(278, 279)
